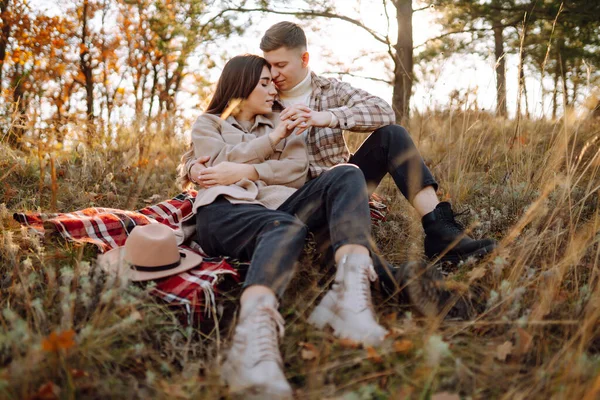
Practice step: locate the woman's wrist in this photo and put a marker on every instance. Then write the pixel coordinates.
(189, 172)
(274, 139)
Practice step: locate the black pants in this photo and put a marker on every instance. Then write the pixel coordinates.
(336, 202)
(390, 149)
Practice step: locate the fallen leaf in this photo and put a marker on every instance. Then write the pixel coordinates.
(77, 373)
(349, 343)
(48, 391)
(390, 318)
(394, 332)
(504, 350)
(61, 341)
(174, 390)
(373, 355)
(445, 396)
(404, 393)
(403, 346)
(524, 340)
(309, 351)
(476, 273)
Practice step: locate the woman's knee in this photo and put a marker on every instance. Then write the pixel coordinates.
(286, 224)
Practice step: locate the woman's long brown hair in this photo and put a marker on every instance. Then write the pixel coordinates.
(239, 78)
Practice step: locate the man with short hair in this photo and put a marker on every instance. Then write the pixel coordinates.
(330, 106)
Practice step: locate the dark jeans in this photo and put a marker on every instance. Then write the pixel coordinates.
(390, 149)
(273, 240)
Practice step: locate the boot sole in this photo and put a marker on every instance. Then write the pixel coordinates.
(455, 259)
(322, 316)
(251, 392)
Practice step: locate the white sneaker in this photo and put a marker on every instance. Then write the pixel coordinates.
(254, 367)
(348, 307)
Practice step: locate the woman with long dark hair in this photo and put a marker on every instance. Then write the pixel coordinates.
(254, 203)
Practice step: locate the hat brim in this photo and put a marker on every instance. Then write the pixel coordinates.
(113, 262)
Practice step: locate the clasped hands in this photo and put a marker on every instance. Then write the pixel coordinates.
(297, 117)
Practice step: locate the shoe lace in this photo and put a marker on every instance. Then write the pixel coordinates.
(360, 287)
(452, 223)
(263, 328)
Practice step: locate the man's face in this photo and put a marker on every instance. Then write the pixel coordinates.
(288, 66)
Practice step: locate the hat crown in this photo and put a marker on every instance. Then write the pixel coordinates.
(152, 245)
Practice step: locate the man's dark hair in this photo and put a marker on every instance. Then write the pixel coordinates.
(283, 34)
(238, 79)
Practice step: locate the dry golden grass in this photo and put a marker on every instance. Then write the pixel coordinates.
(533, 186)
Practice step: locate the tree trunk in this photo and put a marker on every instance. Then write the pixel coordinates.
(18, 122)
(523, 84)
(555, 91)
(403, 63)
(4, 35)
(500, 71)
(85, 64)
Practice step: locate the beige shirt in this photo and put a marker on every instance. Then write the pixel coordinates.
(281, 170)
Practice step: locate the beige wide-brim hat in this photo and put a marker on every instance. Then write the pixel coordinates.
(150, 252)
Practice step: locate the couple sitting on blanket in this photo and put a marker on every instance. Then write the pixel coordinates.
(267, 176)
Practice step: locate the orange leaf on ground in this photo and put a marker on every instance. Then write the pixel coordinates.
(48, 391)
(373, 355)
(403, 346)
(524, 341)
(61, 341)
(390, 318)
(504, 350)
(309, 351)
(349, 343)
(77, 373)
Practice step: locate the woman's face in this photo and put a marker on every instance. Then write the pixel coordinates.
(261, 99)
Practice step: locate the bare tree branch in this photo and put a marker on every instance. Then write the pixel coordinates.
(506, 25)
(371, 78)
(387, 36)
(314, 14)
(422, 8)
(450, 34)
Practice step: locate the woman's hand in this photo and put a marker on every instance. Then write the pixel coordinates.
(310, 117)
(285, 129)
(197, 168)
(226, 173)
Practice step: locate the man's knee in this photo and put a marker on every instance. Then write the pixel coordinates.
(396, 134)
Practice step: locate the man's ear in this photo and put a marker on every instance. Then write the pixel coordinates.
(305, 58)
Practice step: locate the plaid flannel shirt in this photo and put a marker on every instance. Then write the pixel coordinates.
(355, 109)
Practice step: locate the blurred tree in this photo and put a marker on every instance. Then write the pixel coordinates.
(28, 49)
(161, 37)
(554, 35)
(399, 49)
(564, 43)
(481, 21)
(94, 54)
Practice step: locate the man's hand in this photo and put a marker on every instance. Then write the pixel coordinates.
(285, 129)
(312, 118)
(197, 168)
(226, 173)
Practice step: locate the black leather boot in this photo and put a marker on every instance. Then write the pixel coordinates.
(446, 237)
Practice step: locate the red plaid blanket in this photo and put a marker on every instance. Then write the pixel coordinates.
(108, 228)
